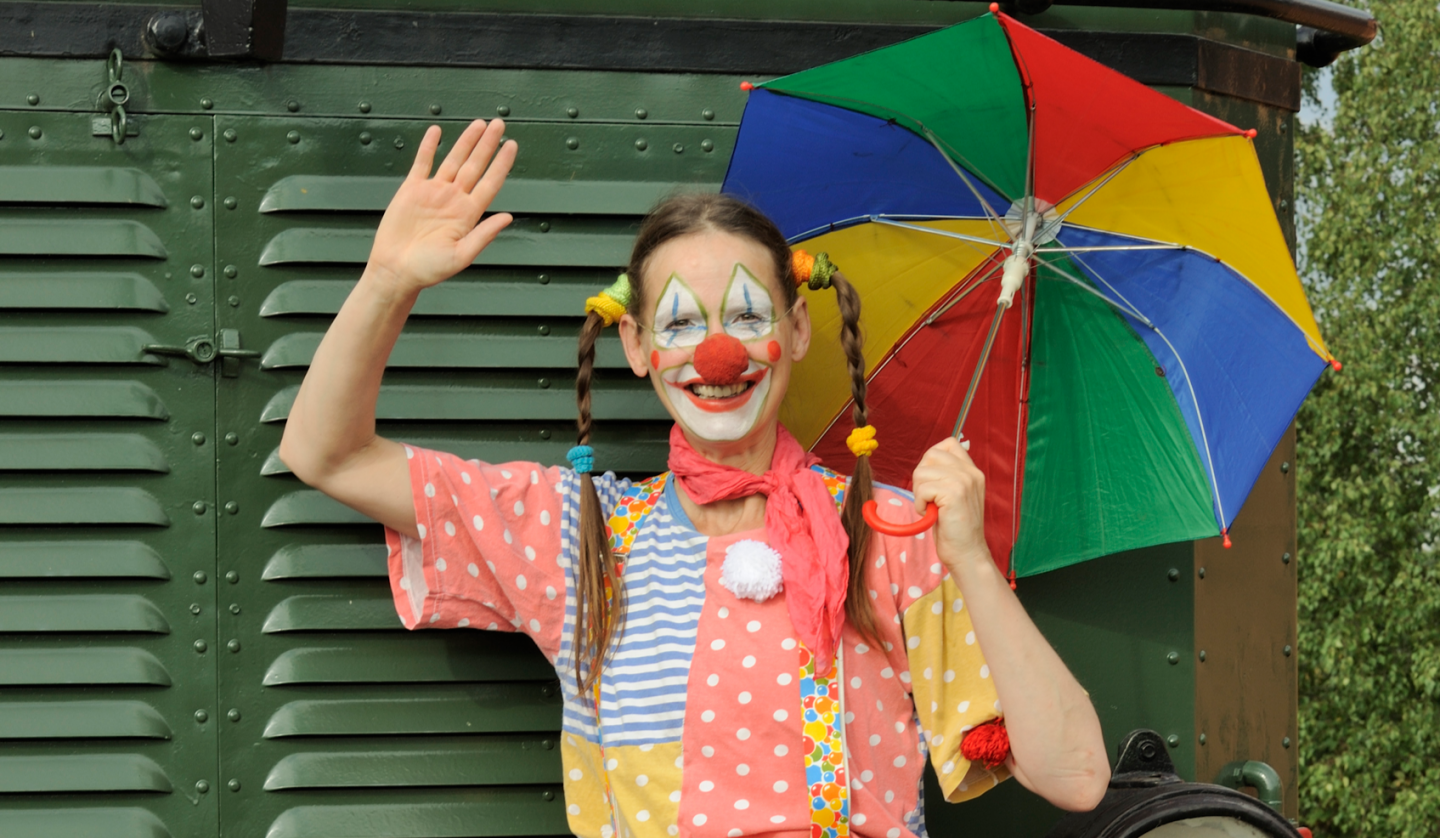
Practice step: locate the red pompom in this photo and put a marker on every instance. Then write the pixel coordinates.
(1336, 365)
(988, 744)
(746, 86)
(721, 359)
(1225, 539)
(1252, 133)
(994, 7)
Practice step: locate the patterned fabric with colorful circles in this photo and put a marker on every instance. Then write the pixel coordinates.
(634, 505)
(824, 750)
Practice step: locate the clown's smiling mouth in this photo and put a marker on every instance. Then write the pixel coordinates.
(716, 391)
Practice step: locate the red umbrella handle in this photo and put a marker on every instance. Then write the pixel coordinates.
(880, 525)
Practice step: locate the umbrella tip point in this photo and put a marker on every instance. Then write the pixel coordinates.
(1251, 133)
(1336, 365)
(746, 86)
(994, 7)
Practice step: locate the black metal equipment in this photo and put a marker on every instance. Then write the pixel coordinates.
(1146, 796)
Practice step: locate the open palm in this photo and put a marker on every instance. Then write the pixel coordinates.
(432, 228)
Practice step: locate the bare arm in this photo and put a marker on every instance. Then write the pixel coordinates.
(431, 231)
(1056, 746)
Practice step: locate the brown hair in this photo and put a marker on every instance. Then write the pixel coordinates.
(597, 620)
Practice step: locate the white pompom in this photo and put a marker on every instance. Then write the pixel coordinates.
(751, 571)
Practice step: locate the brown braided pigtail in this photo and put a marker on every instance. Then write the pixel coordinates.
(597, 619)
(858, 607)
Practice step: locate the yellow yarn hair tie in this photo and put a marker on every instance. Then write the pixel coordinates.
(861, 441)
(611, 303)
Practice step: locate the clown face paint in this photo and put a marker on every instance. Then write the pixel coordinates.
(747, 312)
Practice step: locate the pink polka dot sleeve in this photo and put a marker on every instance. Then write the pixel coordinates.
(489, 554)
(949, 679)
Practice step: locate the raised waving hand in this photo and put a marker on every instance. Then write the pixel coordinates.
(433, 227)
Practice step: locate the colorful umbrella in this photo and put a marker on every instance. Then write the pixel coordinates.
(1159, 341)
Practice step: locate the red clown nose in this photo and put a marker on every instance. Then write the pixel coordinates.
(721, 359)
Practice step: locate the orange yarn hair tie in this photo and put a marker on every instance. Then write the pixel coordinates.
(803, 263)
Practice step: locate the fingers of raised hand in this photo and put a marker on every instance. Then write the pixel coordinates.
(483, 159)
(485, 232)
(464, 146)
(425, 154)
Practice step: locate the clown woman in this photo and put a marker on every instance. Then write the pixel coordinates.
(739, 654)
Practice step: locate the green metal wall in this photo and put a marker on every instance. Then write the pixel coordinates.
(194, 643)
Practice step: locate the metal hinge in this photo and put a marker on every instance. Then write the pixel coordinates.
(116, 125)
(202, 350)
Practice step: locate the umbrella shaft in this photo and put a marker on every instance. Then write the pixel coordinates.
(980, 367)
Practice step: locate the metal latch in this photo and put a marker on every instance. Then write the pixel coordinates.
(117, 125)
(202, 350)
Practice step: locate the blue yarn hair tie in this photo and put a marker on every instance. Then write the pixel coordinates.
(582, 458)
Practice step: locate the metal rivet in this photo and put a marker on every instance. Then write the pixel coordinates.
(292, 106)
(233, 715)
(207, 103)
(707, 145)
(1174, 574)
(195, 608)
(543, 329)
(231, 271)
(32, 99)
(399, 142)
(679, 148)
(197, 271)
(232, 507)
(1173, 657)
(708, 114)
(549, 745)
(200, 646)
(197, 438)
(1173, 740)
(198, 507)
(1285, 467)
(232, 438)
(200, 577)
(503, 110)
(365, 138)
(233, 785)
(229, 135)
(35, 132)
(1202, 655)
(230, 202)
(201, 716)
(191, 299)
(548, 795)
(196, 134)
(544, 433)
(641, 113)
(1202, 573)
(1285, 558)
(572, 143)
(544, 383)
(572, 112)
(234, 608)
(233, 300)
(543, 279)
(1285, 743)
(202, 787)
(1284, 126)
(231, 576)
(435, 110)
(364, 107)
(197, 202)
(1202, 739)
(1284, 205)
(233, 645)
(293, 137)
(544, 226)
(641, 145)
(1286, 651)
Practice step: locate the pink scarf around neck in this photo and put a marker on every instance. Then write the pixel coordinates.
(802, 526)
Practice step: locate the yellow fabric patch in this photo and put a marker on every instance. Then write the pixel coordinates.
(952, 688)
(900, 274)
(1208, 194)
(585, 803)
(645, 780)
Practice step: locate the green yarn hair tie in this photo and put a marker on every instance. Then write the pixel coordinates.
(822, 271)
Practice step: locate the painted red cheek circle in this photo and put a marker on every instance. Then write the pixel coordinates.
(773, 349)
(655, 359)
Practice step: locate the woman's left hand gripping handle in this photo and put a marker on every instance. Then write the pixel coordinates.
(433, 227)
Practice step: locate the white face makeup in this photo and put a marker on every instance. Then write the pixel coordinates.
(727, 413)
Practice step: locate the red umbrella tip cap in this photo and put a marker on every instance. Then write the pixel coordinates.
(1336, 365)
(1251, 133)
(746, 86)
(1225, 538)
(994, 7)
(721, 359)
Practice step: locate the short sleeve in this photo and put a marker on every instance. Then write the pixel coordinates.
(949, 678)
(492, 551)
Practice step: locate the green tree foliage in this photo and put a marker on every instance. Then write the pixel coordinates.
(1369, 441)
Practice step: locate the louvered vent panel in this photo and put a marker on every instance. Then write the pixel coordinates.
(348, 724)
(106, 563)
